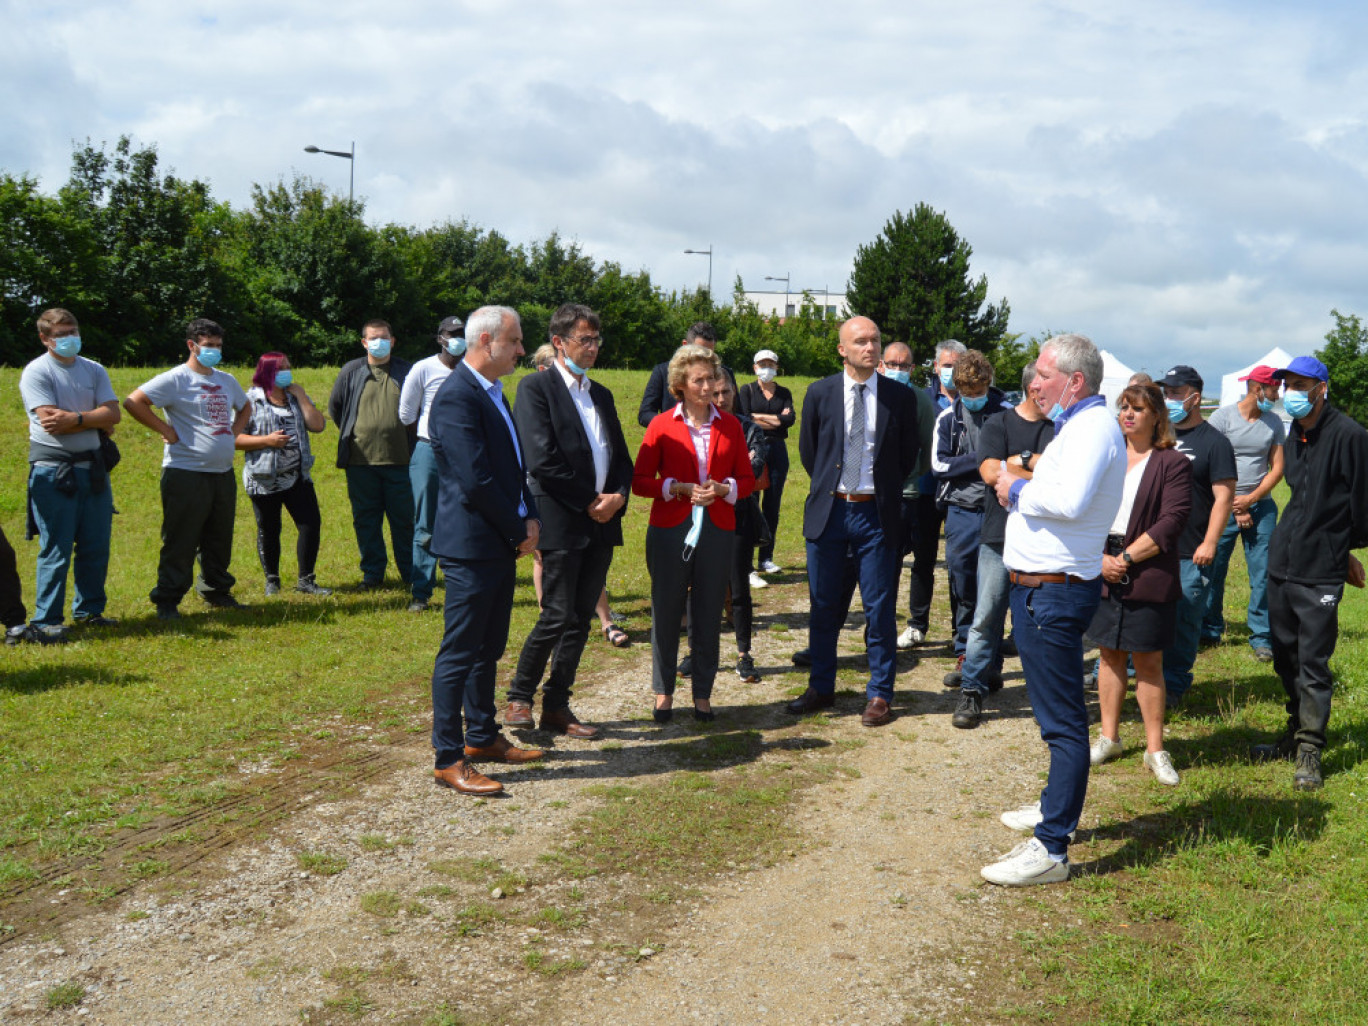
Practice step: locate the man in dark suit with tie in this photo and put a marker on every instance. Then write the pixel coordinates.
(858, 442)
(486, 519)
(580, 472)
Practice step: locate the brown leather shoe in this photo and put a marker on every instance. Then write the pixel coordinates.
(463, 777)
(810, 701)
(563, 721)
(503, 750)
(876, 714)
(518, 714)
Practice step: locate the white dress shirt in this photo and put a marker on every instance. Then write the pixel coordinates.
(494, 389)
(593, 423)
(866, 485)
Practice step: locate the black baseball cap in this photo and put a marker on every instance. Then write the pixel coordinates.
(1176, 377)
(451, 326)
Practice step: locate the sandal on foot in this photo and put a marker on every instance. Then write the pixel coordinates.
(616, 636)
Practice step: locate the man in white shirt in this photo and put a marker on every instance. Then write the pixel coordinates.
(1056, 530)
(415, 400)
(580, 472)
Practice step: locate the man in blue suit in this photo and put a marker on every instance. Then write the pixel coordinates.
(858, 442)
(486, 519)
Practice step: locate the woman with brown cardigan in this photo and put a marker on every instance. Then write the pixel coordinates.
(1140, 568)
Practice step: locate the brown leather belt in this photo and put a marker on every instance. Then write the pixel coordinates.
(1036, 580)
(853, 498)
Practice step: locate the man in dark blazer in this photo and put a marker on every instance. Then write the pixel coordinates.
(658, 398)
(858, 442)
(486, 519)
(580, 472)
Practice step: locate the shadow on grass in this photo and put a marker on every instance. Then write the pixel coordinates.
(38, 679)
(1255, 820)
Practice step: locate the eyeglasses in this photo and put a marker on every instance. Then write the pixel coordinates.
(897, 366)
(586, 340)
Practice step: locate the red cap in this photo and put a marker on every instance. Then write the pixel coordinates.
(1263, 374)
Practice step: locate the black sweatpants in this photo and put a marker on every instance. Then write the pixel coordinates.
(302, 501)
(1303, 623)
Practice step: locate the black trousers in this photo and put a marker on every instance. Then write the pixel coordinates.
(197, 520)
(12, 611)
(1303, 622)
(302, 501)
(700, 583)
(773, 496)
(572, 580)
(742, 606)
(925, 543)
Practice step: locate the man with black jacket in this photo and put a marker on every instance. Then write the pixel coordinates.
(657, 398)
(1326, 463)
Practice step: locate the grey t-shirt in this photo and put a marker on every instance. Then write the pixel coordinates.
(79, 388)
(1253, 443)
(200, 407)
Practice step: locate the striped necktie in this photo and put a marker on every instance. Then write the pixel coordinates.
(855, 442)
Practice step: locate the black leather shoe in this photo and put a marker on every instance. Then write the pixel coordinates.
(969, 711)
(803, 657)
(704, 715)
(1308, 774)
(809, 702)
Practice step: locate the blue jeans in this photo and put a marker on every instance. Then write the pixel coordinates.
(1050, 621)
(423, 479)
(377, 494)
(1187, 636)
(81, 522)
(853, 545)
(983, 653)
(962, 530)
(1256, 539)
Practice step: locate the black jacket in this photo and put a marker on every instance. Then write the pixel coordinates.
(346, 397)
(657, 398)
(1327, 516)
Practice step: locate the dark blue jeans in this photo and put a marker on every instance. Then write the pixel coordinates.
(853, 545)
(423, 479)
(1180, 656)
(772, 497)
(962, 530)
(983, 652)
(80, 523)
(377, 494)
(1050, 621)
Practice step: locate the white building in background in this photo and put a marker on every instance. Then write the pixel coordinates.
(827, 305)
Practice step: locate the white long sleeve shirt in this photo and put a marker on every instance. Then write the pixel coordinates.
(420, 387)
(1060, 518)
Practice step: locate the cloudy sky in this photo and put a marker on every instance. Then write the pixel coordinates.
(1183, 181)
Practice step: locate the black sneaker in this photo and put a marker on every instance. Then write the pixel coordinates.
(47, 633)
(969, 711)
(1282, 750)
(272, 585)
(96, 621)
(309, 586)
(223, 600)
(685, 666)
(1263, 655)
(803, 657)
(1308, 773)
(16, 635)
(166, 611)
(745, 669)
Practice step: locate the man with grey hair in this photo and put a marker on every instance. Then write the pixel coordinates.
(1057, 527)
(926, 538)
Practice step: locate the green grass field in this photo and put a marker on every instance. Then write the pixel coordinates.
(1227, 900)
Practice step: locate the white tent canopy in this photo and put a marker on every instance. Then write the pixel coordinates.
(1115, 376)
(1233, 389)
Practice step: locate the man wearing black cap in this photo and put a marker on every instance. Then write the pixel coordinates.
(415, 401)
(1326, 466)
(1213, 492)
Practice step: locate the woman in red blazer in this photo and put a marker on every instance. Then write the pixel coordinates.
(695, 466)
(1136, 616)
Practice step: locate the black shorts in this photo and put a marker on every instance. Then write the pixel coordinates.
(1133, 626)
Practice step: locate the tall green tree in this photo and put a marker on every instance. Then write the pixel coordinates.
(914, 281)
(1345, 356)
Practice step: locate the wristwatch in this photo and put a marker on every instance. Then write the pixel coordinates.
(1129, 560)
(1026, 455)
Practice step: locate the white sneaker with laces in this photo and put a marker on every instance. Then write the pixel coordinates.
(1161, 766)
(1028, 863)
(910, 638)
(756, 581)
(1104, 749)
(1028, 817)
(769, 566)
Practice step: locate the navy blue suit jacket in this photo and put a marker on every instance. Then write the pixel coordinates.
(480, 482)
(821, 447)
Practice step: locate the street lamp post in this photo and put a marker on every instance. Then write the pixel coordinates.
(824, 300)
(701, 252)
(785, 280)
(351, 156)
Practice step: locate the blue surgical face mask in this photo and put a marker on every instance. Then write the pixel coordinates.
(283, 379)
(1266, 405)
(67, 346)
(209, 356)
(378, 347)
(975, 404)
(1057, 410)
(456, 346)
(574, 368)
(947, 377)
(1177, 411)
(902, 377)
(1297, 404)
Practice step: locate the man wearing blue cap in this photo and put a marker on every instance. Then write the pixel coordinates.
(1309, 561)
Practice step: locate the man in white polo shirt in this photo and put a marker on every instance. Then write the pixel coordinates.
(1056, 531)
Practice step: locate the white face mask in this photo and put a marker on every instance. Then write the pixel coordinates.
(766, 373)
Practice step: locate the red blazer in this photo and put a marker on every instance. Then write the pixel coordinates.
(667, 451)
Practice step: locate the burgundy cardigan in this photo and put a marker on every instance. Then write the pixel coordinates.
(1161, 511)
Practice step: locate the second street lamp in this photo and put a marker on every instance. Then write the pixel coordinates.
(785, 280)
(350, 156)
(708, 252)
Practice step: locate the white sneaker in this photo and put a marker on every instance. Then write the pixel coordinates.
(1104, 749)
(910, 638)
(756, 581)
(1028, 863)
(1028, 817)
(1161, 766)
(769, 566)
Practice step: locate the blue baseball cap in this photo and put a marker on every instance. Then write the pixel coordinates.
(1306, 366)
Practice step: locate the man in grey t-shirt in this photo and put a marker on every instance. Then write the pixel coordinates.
(206, 410)
(69, 400)
(1257, 434)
